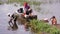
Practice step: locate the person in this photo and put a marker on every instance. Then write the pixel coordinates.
(27, 10)
(10, 19)
(26, 6)
(15, 27)
(53, 20)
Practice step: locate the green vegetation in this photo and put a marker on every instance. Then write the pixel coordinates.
(0, 3)
(36, 3)
(30, 2)
(37, 8)
(40, 26)
(22, 1)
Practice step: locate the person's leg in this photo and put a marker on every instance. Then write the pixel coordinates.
(26, 26)
(10, 22)
(30, 12)
(15, 25)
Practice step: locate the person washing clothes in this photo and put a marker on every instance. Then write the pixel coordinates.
(27, 10)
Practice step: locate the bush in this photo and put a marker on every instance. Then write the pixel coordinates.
(38, 26)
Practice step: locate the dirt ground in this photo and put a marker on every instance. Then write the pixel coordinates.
(58, 26)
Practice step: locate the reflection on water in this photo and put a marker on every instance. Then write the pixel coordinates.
(14, 27)
(4, 26)
(47, 11)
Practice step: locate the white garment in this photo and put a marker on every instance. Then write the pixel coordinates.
(18, 13)
(26, 16)
(45, 18)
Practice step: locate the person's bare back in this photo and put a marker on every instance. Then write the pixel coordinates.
(53, 20)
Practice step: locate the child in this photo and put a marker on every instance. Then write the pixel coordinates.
(53, 20)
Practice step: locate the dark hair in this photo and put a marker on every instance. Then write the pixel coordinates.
(20, 10)
(9, 15)
(53, 17)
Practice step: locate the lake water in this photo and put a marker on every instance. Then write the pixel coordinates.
(47, 11)
(4, 10)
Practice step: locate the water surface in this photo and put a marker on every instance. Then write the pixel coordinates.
(47, 11)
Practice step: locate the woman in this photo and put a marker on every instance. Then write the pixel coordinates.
(27, 10)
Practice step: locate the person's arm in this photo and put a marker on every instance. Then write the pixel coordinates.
(51, 18)
(56, 20)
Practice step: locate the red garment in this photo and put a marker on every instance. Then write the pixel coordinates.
(25, 4)
(23, 14)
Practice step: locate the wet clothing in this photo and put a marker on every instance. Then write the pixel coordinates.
(27, 7)
(12, 16)
(20, 10)
(28, 12)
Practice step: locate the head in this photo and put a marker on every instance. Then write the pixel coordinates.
(53, 17)
(18, 10)
(8, 14)
(25, 3)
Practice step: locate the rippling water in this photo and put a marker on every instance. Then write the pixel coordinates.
(47, 11)
(4, 10)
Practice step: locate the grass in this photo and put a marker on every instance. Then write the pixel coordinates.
(40, 26)
(34, 3)
(1, 3)
(22, 1)
(37, 8)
